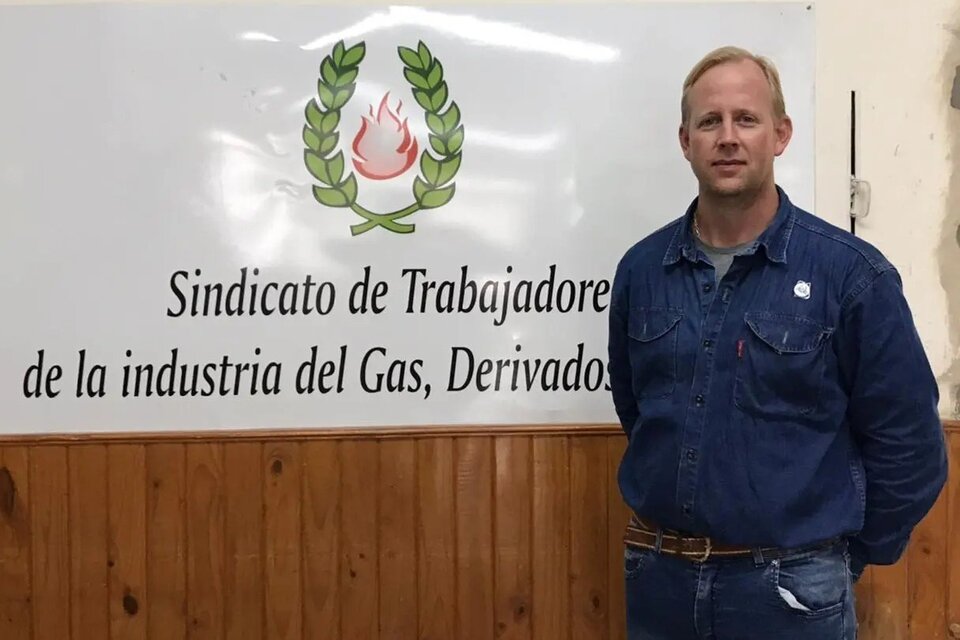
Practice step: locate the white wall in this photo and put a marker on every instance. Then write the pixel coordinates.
(900, 57)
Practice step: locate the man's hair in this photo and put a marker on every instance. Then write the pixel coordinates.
(733, 54)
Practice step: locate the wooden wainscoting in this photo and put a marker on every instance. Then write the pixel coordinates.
(354, 536)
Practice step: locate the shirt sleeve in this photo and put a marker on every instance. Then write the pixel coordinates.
(618, 356)
(894, 417)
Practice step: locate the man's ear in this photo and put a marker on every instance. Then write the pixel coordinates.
(684, 135)
(784, 130)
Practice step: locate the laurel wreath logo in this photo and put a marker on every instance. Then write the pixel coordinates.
(433, 187)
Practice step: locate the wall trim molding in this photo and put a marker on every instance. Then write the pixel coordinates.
(288, 435)
(292, 435)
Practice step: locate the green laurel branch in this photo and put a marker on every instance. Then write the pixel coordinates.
(434, 187)
(338, 74)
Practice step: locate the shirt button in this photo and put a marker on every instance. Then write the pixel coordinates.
(686, 509)
(699, 400)
(691, 455)
(708, 343)
(707, 288)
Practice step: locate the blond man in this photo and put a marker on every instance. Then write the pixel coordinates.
(780, 411)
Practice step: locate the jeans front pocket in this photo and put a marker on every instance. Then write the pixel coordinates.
(634, 559)
(780, 366)
(813, 585)
(653, 350)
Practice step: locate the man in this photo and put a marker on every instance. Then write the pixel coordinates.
(780, 412)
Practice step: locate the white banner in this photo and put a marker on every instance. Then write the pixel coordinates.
(303, 216)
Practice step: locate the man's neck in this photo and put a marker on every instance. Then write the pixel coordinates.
(731, 221)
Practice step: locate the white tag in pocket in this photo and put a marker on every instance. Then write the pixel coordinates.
(791, 600)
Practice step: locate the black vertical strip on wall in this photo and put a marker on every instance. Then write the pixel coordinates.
(853, 154)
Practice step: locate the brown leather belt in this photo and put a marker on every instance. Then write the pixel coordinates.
(644, 535)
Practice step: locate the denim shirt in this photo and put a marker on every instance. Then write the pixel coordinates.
(789, 404)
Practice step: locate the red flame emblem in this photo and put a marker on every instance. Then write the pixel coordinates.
(384, 148)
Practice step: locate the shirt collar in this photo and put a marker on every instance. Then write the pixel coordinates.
(774, 238)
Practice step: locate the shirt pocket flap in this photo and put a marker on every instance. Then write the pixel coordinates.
(786, 333)
(647, 324)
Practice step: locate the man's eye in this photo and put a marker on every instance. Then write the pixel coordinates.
(706, 122)
(748, 119)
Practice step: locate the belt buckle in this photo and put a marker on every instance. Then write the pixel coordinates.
(706, 554)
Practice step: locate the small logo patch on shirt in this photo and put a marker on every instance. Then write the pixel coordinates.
(802, 289)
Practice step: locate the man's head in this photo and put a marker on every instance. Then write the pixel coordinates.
(733, 122)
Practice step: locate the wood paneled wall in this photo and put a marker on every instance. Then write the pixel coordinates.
(508, 536)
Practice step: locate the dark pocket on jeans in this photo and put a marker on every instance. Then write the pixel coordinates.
(780, 364)
(634, 559)
(653, 350)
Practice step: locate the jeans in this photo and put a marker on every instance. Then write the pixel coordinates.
(804, 596)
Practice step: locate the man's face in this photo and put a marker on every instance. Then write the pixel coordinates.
(732, 136)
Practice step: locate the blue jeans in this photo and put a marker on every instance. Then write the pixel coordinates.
(804, 596)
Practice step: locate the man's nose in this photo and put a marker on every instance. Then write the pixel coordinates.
(728, 134)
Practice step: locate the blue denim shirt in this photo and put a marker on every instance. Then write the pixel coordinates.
(788, 404)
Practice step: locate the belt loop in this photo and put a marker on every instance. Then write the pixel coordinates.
(758, 556)
(659, 543)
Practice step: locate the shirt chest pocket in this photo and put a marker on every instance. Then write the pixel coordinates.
(780, 365)
(653, 350)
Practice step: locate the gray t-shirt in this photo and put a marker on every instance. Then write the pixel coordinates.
(722, 257)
